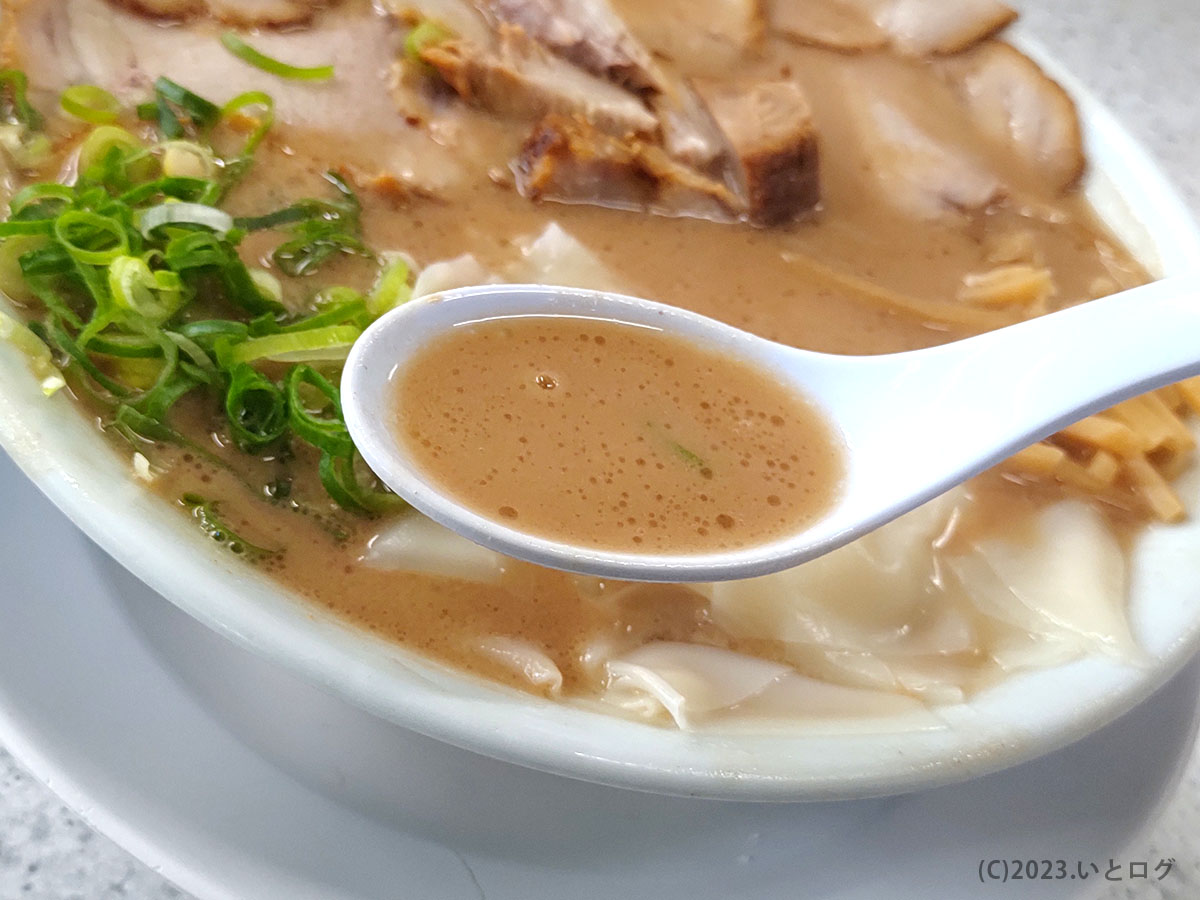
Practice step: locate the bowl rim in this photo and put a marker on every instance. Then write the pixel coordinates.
(55, 447)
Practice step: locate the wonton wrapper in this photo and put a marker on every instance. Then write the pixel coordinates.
(414, 543)
(857, 596)
(526, 659)
(1063, 591)
(695, 684)
(557, 257)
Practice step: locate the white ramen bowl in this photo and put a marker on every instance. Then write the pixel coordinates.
(1028, 714)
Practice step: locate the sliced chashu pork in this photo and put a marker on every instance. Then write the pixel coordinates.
(914, 27)
(774, 149)
(588, 33)
(916, 151)
(63, 42)
(699, 37)
(241, 13)
(568, 160)
(922, 27)
(517, 78)
(845, 25)
(770, 128)
(759, 163)
(1011, 100)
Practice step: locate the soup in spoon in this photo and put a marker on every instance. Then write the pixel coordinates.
(612, 435)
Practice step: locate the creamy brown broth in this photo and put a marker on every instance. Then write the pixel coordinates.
(762, 280)
(609, 435)
(857, 276)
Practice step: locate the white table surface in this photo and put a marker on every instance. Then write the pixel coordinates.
(1142, 57)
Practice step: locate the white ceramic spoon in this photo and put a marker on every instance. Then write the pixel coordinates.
(912, 424)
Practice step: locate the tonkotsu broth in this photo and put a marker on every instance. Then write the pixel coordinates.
(616, 436)
(858, 276)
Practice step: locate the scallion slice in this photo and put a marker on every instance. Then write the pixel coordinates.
(91, 103)
(154, 296)
(215, 220)
(14, 86)
(266, 119)
(187, 159)
(426, 33)
(41, 363)
(341, 483)
(260, 60)
(391, 289)
(97, 145)
(208, 516)
(172, 99)
(256, 408)
(35, 195)
(327, 433)
(331, 344)
(12, 277)
(91, 238)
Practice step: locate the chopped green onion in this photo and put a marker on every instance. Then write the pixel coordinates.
(131, 422)
(17, 228)
(677, 448)
(91, 103)
(195, 250)
(187, 159)
(91, 238)
(215, 220)
(117, 258)
(12, 277)
(20, 133)
(267, 284)
(327, 434)
(197, 255)
(177, 187)
(391, 289)
(320, 229)
(14, 86)
(126, 346)
(335, 306)
(207, 332)
(686, 455)
(329, 344)
(28, 149)
(289, 215)
(193, 351)
(173, 99)
(41, 362)
(426, 33)
(256, 408)
(155, 296)
(69, 346)
(172, 384)
(208, 515)
(97, 145)
(141, 373)
(265, 121)
(39, 194)
(341, 483)
(39, 285)
(259, 60)
(202, 112)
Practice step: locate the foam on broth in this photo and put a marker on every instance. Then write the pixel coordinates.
(605, 434)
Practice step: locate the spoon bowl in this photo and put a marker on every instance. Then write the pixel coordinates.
(910, 425)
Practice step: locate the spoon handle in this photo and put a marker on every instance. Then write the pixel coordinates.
(949, 412)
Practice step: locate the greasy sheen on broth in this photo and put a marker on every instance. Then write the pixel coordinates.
(611, 435)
